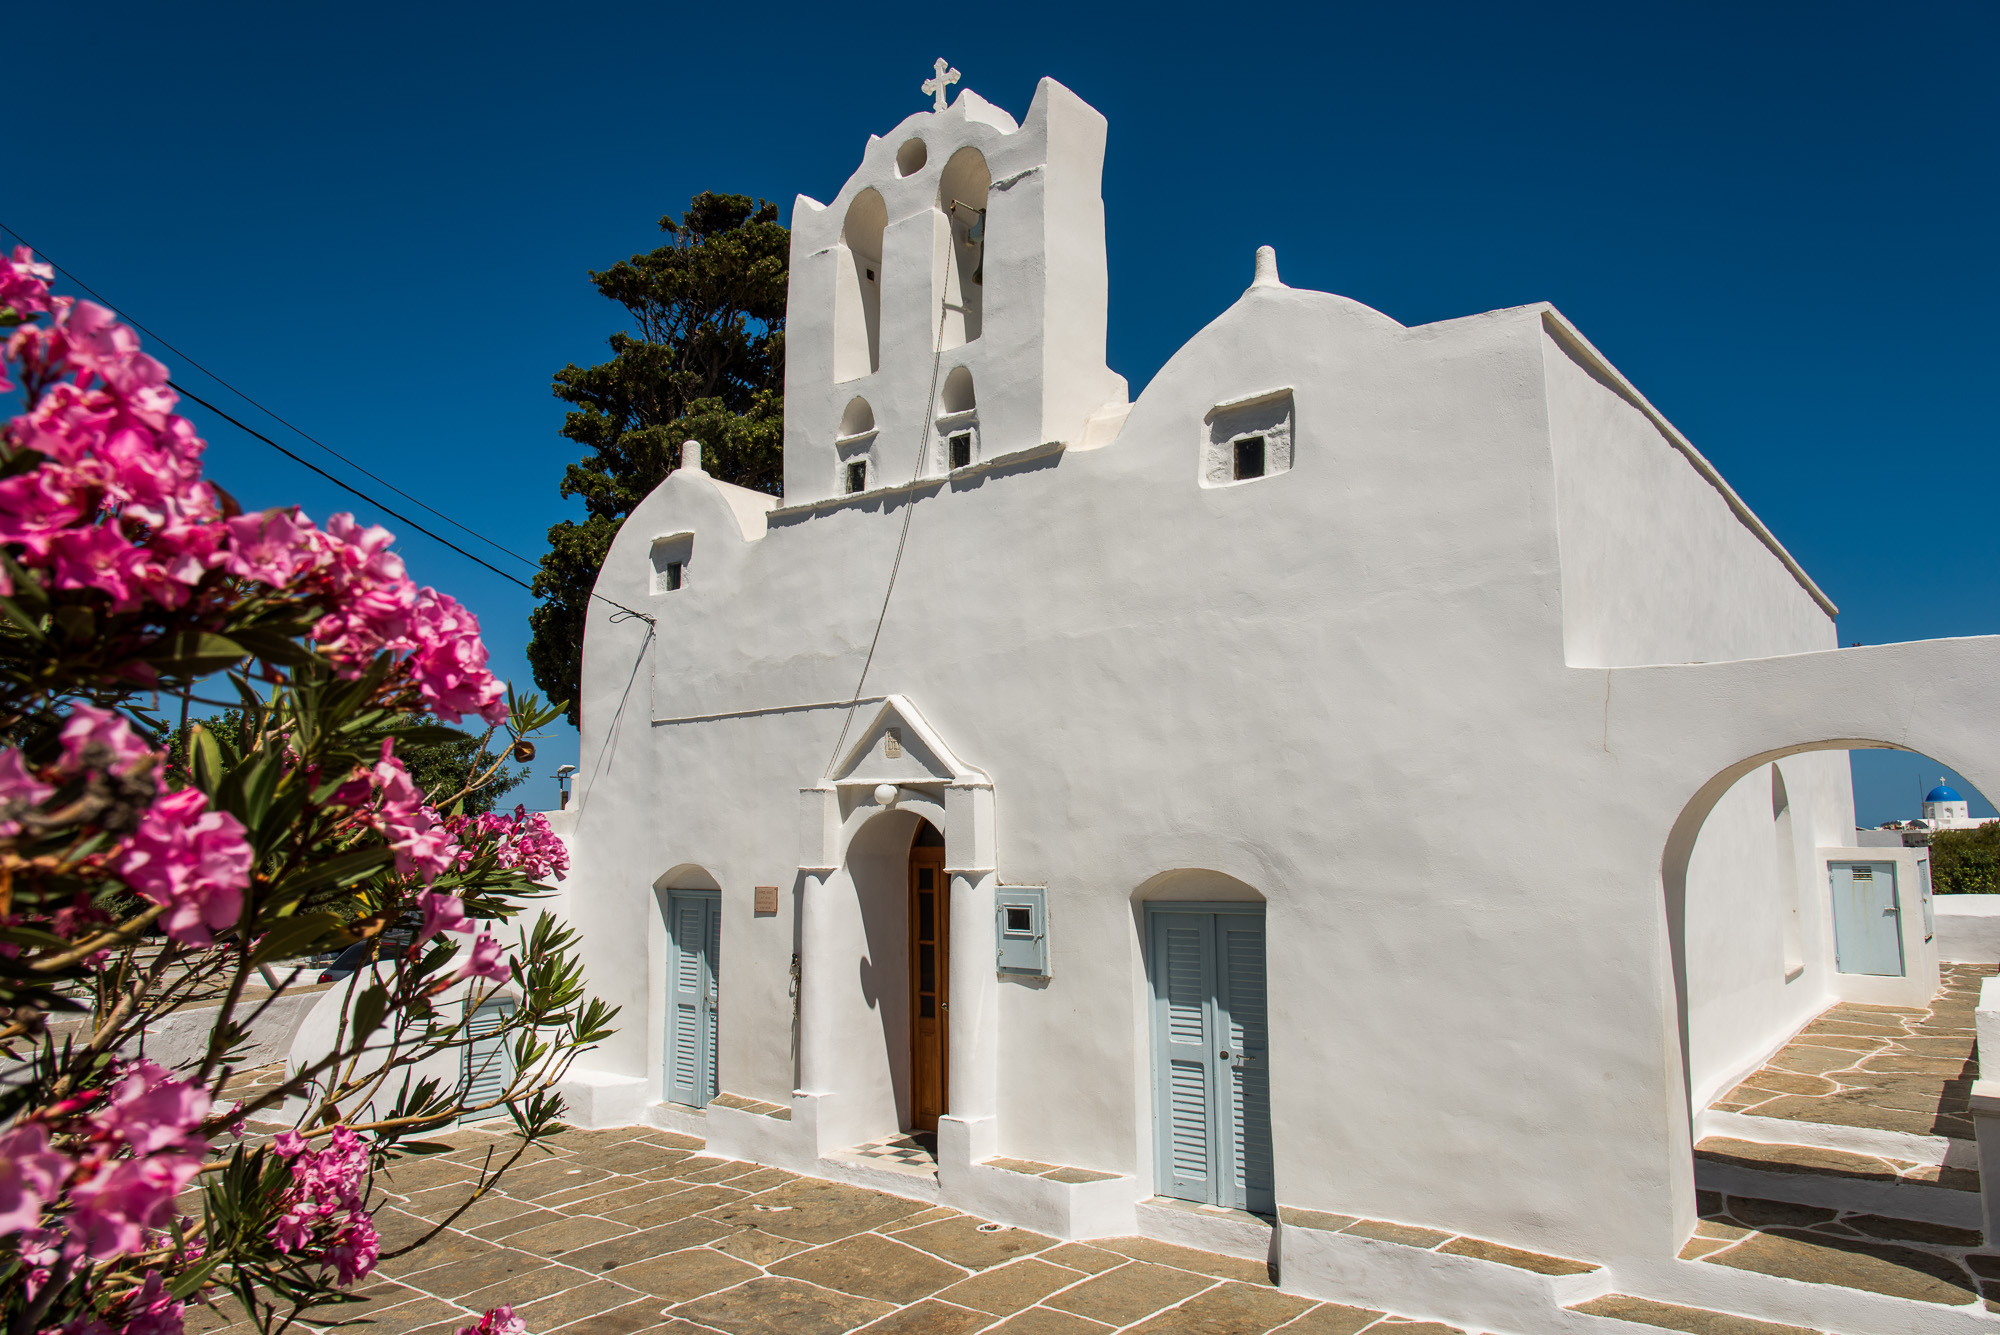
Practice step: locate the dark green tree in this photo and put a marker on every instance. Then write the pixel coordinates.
(1966, 862)
(704, 360)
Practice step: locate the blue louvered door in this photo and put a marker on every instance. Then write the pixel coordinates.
(1212, 1079)
(694, 932)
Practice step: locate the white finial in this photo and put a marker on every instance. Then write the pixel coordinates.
(1267, 268)
(691, 455)
(946, 77)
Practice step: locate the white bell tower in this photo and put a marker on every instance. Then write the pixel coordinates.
(949, 305)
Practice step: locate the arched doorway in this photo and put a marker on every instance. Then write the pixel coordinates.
(1806, 918)
(689, 901)
(885, 955)
(1202, 935)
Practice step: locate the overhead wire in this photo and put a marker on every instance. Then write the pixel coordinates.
(909, 510)
(184, 391)
(268, 412)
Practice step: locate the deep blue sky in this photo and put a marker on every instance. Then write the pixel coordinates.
(1776, 218)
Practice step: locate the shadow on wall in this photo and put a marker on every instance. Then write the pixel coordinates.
(878, 861)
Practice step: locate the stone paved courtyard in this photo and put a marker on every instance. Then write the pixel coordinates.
(1886, 1068)
(616, 1232)
(637, 1230)
(1929, 1263)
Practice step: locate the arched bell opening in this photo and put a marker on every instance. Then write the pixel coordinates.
(962, 191)
(857, 305)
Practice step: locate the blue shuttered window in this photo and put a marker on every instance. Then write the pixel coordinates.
(1212, 1077)
(694, 932)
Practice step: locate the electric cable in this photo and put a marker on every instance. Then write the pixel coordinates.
(909, 512)
(399, 518)
(623, 611)
(297, 430)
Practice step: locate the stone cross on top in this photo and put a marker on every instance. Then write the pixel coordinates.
(946, 77)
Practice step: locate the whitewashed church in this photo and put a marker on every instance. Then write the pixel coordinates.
(1038, 771)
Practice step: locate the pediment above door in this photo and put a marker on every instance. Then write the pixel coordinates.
(899, 747)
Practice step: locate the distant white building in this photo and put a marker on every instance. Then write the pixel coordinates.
(1036, 770)
(1944, 809)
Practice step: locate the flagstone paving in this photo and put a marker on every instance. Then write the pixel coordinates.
(635, 1230)
(1927, 1263)
(1887, 1068)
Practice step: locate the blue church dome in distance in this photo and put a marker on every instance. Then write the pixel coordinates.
(1941, 793)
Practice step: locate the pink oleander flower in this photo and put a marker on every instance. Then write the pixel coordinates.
(423, 845)
(150, 1110)
(104, 738)
(118, 506)
(323, 1213)
(19, 790)
(272, 548)
(355, 1249)
(127, 1197)
(450, 662)
(24, 284)
(31, 1175)
(40, 1249)
(486, 959)
(442, 913)
(98, 558)
(152, 1310)
(522, 842)
(191, 859)
(497, 1321)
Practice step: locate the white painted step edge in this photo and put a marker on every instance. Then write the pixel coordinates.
(1902, 1145)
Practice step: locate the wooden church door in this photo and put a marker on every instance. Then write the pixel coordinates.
(1211, 1068)
(930, 983)
(694, 941)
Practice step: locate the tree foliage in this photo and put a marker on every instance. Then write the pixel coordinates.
(704, 360)
(461, 765)
(1966, 862)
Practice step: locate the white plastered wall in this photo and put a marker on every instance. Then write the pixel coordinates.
(1258, 681)
(1660, 565)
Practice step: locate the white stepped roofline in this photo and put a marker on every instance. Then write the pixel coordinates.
(1554, 321)
(906, 713)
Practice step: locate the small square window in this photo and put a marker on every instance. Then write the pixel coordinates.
(857, 477)
(1249, 457)
(961, 449)
(670, 557)
(1020, 920)
(1248, 439)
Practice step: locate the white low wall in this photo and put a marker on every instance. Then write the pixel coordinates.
(179, 1039)
(1968, 928)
